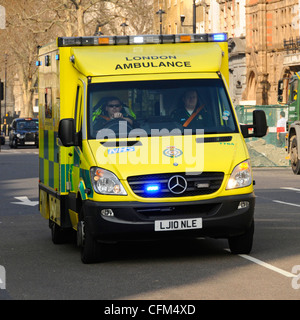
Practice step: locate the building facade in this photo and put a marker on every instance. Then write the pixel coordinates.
(172, 11)
(212, 16)
(264, 40)
(272, 47)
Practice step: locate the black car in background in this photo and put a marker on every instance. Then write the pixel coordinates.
(2, 138)
(24, 132)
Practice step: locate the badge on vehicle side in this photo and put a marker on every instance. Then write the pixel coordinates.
(172, 152)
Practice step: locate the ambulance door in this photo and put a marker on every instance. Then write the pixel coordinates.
(78, 112)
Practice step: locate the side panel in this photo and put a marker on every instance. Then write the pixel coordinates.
(49, 110)
(44, 204)
(293, 100)
(57, 94)
(55, 210)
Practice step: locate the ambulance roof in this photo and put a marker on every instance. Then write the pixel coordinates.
(104, 60)
(118, 60)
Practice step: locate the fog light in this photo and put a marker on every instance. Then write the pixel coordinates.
(243, 204)
(107, 212)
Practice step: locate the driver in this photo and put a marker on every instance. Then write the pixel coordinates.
(112, 109)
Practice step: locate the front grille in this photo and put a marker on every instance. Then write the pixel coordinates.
(29, 136)
(200, 184)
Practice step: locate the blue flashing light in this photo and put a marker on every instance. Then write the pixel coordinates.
(38, 63)
(219, 37)
(57, 57)
(152, 188)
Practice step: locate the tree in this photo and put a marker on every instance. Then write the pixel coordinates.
(138, 14)
(21, 38)
(84, 15)
(32, 23)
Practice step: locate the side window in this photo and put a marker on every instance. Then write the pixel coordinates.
(78, 109)
(48, 103)
(226, 116)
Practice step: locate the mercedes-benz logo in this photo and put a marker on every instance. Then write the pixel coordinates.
(177, 184)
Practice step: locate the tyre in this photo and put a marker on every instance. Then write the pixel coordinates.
(242, 244)
(91, 250)
(295, 163)
(60, 235)
(14, 144)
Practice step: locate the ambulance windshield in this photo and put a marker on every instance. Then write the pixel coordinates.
(159, 108)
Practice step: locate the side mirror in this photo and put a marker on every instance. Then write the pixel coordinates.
(259, 127)
(67, 132)
(259, 123)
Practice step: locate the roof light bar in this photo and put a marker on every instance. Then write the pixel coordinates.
(185, 38)
(144, 39)
(105, 40)
(219, 37)
(138, 39)
(122, 40)
(141, 39)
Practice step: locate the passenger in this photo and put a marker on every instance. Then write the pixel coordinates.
(112, 109)
(190, 111)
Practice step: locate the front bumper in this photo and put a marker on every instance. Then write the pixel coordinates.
(221, 218)
(26, 142)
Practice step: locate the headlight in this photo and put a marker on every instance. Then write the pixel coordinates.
(241, 176)
(21, 136)
(105, 182)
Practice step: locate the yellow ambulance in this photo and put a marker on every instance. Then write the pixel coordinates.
(139, 140)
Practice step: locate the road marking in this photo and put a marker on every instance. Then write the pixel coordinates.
(7, 152)
(289, 188)
(26, 202)
(288, 203)
(266, 265)
(2, 278)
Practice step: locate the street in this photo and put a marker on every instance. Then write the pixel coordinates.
(199, 269)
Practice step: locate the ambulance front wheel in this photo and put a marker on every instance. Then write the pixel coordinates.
(242, 244)
(91, 250)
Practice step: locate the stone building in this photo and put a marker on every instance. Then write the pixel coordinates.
(272, 47)
(171, 16)
(212, 16)
(264, 41)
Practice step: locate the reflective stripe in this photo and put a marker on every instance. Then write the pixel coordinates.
(49, 168)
